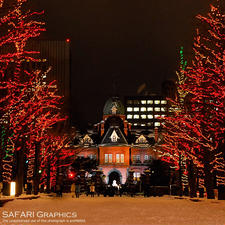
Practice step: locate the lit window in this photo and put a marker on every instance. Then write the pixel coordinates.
(114, 137)
(136, 109)
(163, 102)
(143, 109)
(163, 109)
(143, 101)
(122, 158)
(163, 115)
(157, 109)
(143, 125)
(146, 157)
(150, 109)
(137, 175)
(157, 102)
(129, 109)
(136, 116)
(106, 158)
(157, 124)
(129, 116)
(143, 116)
(150, 116)
(150, 102)
(110, 158)
(135, 124)
(156, 116)
(117, 158)
(136, 157)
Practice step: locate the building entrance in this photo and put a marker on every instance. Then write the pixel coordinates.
(114, 176)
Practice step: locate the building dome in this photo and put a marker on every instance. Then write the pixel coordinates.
(113, 106)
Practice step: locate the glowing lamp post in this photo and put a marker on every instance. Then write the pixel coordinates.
(12, 188)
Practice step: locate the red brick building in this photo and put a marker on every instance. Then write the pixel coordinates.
(115, 147)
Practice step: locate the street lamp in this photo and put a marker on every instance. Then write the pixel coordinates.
(12, 188)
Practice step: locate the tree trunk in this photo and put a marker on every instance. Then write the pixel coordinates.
(209, 184)
(36, 169)
(209, 178)
(19, 172)
(180, 177)
(48, 176)
(192, 178)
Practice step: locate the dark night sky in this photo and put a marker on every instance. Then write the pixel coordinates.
(130, 41)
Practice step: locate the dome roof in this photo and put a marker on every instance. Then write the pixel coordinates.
(113, 106)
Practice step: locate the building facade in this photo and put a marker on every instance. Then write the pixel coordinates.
(115, 147)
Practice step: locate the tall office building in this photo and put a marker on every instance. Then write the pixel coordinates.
(55, 54)
(144, 111)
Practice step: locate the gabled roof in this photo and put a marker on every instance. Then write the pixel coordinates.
(114, 136)
(141, 140)
(86, 141)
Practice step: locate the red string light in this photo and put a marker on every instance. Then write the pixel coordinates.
(29, 106)
(196, 125)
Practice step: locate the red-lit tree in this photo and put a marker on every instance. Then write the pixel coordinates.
(206, 84)
(39, 107)
(57, 154)
(199, 126)
(177, 143)
(17, 27)
(29, 106)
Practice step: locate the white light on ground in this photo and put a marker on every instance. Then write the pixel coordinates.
(12, 188)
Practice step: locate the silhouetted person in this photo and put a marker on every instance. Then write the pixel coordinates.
(120, 190)
(77, 190)
(72, 189)
(92, 190)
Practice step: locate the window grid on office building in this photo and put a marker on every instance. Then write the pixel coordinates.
(145, 112)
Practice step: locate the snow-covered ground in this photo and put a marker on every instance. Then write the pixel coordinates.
(117, 210)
